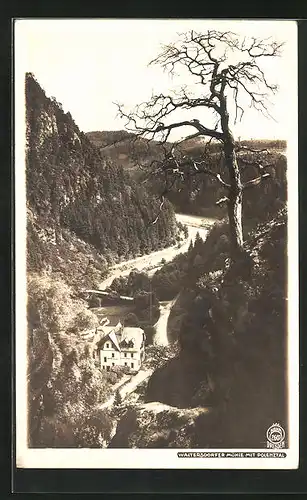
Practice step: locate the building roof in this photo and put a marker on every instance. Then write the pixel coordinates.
(114, 339)
(123, 337)
(132, 337)
(107, 331)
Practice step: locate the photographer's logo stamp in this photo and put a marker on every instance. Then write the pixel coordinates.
(275, 436)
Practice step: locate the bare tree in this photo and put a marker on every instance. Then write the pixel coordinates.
(225, 67)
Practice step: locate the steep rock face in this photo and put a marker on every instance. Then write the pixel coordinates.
(155, 425)
(72, 188)
(233, 339)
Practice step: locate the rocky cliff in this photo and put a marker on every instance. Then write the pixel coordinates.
(72, 189)
(156, 425)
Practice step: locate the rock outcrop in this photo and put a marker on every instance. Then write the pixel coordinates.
(156, 425)
(233, 356)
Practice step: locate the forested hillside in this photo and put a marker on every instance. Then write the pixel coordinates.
(198, 194)
(72, 189)
(83, 214)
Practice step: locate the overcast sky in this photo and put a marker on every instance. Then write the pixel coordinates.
(88, 64)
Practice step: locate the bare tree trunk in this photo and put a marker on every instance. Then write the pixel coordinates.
(235, 191)
(235, 221)
(235, 200)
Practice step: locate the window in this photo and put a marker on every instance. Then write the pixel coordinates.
(113, 354)
(113, 364)
(132, 365)
(125, 364)
(108, 368)
(132, 354)
(105, 359)
(125, 354)
(107, 345)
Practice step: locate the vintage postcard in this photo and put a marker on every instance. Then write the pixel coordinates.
(156, 203)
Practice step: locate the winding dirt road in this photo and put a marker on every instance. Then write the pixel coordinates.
(150, 263)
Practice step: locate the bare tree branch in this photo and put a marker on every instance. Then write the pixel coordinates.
(227, 67)
(222, 200)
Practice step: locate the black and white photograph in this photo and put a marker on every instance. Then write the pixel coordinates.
(156, 202)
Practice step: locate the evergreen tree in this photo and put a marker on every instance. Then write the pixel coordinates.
(198, 244)
(117, 398)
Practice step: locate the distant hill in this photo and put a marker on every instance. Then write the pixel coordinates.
(198, 194)
(126, 150)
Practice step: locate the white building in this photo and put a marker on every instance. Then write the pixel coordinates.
(121, 346)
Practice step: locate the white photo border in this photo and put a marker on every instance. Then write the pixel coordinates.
(150, 458)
